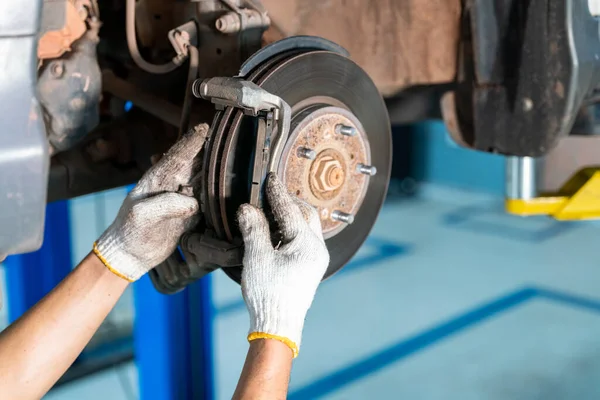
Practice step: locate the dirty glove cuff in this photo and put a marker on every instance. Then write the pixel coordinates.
(109, 252)
(279, 282)
(278, 315)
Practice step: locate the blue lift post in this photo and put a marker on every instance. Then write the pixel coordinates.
(173, 342)
(29, 277)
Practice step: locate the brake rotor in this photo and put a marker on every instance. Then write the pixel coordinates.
(326, 91)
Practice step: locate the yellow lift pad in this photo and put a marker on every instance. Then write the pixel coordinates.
(579, 198)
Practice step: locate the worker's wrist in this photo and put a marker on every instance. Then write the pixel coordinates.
(278, 320)
(274, 340)
(272, 346)
(101, 272)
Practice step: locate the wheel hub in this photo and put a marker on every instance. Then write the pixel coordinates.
(338, 121)
(330, 179)
(310, 81)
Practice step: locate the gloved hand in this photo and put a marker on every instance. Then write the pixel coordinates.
(279, 283)
(154, 215)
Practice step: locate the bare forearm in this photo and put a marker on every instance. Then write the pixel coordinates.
(266, 372)
(39, 347)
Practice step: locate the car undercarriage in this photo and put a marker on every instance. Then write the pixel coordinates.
(95, 92)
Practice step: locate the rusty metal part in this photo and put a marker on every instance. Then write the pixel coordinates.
(220, 127)
(57, 38)
(69, 91)
(325, 81)
(401, 43)
(525, 69)
(327, 174)
(230, 150)
(332, 181)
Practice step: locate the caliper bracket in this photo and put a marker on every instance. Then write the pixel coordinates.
(257, 102)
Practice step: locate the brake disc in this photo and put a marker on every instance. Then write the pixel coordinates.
(325, 90)
(340, 135)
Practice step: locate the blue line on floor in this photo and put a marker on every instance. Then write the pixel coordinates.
(384, 249)
(570, 299)
(419, 342)
(410, 346)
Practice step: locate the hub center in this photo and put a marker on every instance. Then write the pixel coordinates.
(322, 163)
(327, 174)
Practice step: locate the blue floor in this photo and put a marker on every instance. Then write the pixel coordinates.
(449, 299)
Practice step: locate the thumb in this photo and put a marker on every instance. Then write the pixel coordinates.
(254, 228)
(168, 205)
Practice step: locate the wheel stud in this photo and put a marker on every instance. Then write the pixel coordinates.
(305, 152)
(342, 217)
(366, 169)
(345, 130)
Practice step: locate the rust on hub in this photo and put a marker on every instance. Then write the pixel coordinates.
(327, 174)
(331, 181)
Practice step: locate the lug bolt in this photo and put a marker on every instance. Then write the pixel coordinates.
(57, 69)
(305, 152)
(366, 169)
(228, 23)
(345, 130)
(342, 217)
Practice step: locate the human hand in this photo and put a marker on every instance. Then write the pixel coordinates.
(279, 283)
(154, 215)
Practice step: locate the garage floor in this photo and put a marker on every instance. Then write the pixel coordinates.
(449, 298)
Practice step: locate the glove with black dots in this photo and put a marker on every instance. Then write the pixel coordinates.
(280, 282)
(154, 215)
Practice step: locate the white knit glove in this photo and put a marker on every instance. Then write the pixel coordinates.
(154, 215)
(279, 283)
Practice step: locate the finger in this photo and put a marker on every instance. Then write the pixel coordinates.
(166, 206)
(176, 167)
(284, 208)
(254, 228)
(310, 215)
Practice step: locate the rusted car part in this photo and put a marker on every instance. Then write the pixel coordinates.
(398, 43)
(69, 87)
(113, 155)
(230, 31)
(24, 150)
(63, 22)
(525, 69)
(327, 162)
(350, 122)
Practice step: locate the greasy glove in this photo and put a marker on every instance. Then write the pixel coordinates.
(154, 215)
(279, 283)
